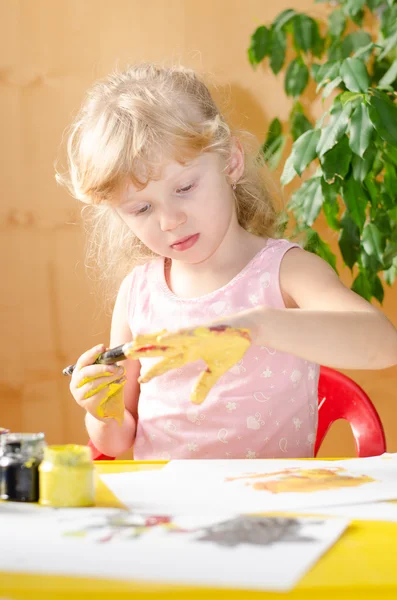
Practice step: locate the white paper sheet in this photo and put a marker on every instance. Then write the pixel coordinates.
(245, 552)
(374, 511)
(197, 486)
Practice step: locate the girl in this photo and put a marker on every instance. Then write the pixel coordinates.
(172, 184)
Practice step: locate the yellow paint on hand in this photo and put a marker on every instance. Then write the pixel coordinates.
(220, 347)
(89, 379)
(67, 476)
(112, 407)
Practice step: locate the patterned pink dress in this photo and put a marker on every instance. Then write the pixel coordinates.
(263, 407)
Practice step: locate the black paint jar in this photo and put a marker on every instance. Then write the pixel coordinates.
(20, 457)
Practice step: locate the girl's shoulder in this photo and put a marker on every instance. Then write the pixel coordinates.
(273, 252)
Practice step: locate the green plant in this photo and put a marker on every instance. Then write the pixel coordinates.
(354, 142)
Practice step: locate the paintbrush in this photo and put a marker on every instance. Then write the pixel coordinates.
(107, 358)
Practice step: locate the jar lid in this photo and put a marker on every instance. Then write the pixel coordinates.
(69, 455)
(24, 443)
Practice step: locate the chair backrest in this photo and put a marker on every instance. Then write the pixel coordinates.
(339, 397)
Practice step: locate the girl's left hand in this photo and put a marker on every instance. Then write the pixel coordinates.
(220, 344)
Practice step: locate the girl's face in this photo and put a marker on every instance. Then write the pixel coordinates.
(186, 214)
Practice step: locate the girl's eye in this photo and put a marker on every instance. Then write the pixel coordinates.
(185, 189)
(142, 210)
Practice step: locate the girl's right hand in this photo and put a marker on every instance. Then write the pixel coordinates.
(94, 385)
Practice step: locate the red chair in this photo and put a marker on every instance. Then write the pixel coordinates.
(339, 397)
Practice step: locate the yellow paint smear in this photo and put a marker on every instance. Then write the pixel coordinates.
(220, 347)
(304, 480)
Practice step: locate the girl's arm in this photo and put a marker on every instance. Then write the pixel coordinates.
(324, 321)
(107, 435)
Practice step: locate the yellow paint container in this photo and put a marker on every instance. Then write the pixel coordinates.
(67, 476)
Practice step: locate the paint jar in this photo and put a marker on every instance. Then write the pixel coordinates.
(20, 457)
(67, 476)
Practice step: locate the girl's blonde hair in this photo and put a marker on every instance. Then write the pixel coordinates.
(129, 123)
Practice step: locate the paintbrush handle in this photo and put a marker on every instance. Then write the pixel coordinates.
(107, 358)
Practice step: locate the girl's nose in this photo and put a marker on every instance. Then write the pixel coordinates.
(172, 219)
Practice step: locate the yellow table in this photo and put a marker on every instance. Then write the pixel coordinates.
(361, 566)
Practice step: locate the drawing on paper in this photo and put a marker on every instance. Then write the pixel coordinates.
(303, 480)
(123, 525)
(232, 532)
(257, 531)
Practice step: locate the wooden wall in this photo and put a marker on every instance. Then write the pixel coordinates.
(50, 52)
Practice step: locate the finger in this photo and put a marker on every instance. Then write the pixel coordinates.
(204, 383)
(89, 357)
(92, 372)
(94, 386)
(165, 365)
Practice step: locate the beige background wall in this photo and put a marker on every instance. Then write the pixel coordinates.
(50, 52)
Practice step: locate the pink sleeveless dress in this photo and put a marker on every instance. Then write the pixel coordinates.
(263, 407)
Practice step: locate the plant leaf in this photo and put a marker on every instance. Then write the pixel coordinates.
(298, 123)
(349, 240)
(296, 77)
(389, 275)
(390, 181)
(273, 152)
(316, 245)
(330, 204)
(329, 88)
(362, 286)
(388, 21)
(336, 23)
(390, 254)
(372, 186)
(336, 127)
(283, 18)
(306, 202)
(327, 72)
(389, 77)
(390, 153)
(354, 75)
(304, 149)
(260, 45)
(353, 7)
(388, 45)
(383, 114)
(288, 172)
(355, 41)
(361, 129)
(274, 144)
(377, 289)
(351, 97)
(374, 4)
(305, 32)
(373, 241)
(336, 162)
(361, 166)
(356, 201)
(278, 49)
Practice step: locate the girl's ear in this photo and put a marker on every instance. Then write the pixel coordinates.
(236, 166)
